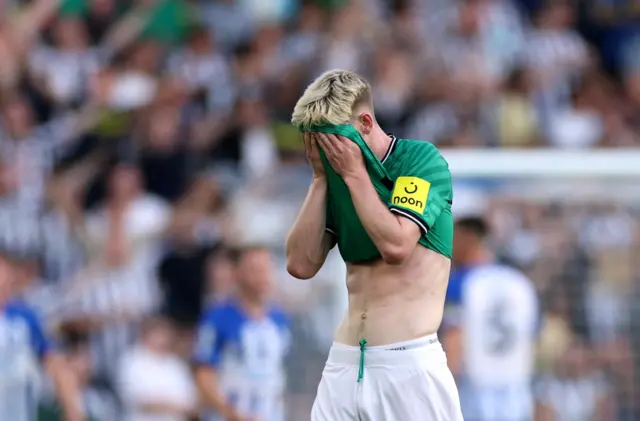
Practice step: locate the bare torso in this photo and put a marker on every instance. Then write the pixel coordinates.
(389, 304)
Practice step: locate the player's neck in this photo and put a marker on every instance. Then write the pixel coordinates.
(253, 306)
(379, 142)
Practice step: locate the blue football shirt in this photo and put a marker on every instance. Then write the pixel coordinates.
(248, 354)
(23, 344)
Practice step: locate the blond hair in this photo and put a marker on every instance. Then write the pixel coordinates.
(331, 99)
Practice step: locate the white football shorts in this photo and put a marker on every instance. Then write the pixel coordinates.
(407, 381)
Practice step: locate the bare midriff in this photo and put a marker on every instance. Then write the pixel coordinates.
(395, 303)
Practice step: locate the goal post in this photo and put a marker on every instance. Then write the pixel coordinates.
(544, 163)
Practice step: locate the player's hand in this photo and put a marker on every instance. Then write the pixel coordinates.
(313, 154)
(344, 155)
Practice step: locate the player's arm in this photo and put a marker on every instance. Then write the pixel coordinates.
(418, 198)
(309, 241)
(207, 381)
(66, 386)
(54, 363)
(394, 236)
(451, 334)
(207, 356)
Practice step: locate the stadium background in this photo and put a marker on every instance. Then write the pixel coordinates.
(193, 99)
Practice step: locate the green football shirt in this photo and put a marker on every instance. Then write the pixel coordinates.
(412, 178)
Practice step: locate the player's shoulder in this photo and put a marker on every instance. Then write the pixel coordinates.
(278, 315)
(500, 274)
(418, 157)
(220, 312)
(419, 150)
(20, 309)
(496, 270)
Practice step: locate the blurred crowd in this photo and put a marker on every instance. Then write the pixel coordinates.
(143, 139)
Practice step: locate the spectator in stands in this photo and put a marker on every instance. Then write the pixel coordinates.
(198, 96)
(63, 72)
(122, 237)
(153, 382)
(220, 276)
(517, 121)
(166, 162)
(577, 392)
(248, 384)
(183, 271)
(98, 401)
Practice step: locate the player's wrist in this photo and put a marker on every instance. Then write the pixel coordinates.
(355, 178)
(319, 182)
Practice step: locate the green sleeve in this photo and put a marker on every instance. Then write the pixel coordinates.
(423, 190)
(329, 224)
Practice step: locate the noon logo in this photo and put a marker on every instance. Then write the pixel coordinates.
(410, 200)
(411, 193)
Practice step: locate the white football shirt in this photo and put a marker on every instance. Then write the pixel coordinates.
(496, 307)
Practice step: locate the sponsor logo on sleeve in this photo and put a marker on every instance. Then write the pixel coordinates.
(411, 193)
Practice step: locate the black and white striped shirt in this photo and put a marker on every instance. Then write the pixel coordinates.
(130, 291)
(34, 157)
(62, 253)
(19, 227)
(42, 234)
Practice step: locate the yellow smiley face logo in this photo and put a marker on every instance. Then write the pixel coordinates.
(413, 187)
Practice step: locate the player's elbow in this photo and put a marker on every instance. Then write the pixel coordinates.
(300, 262)
(300, 269)
(399, 247)
(395, 254)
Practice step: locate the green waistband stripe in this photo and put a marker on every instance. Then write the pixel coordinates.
(363, 343)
